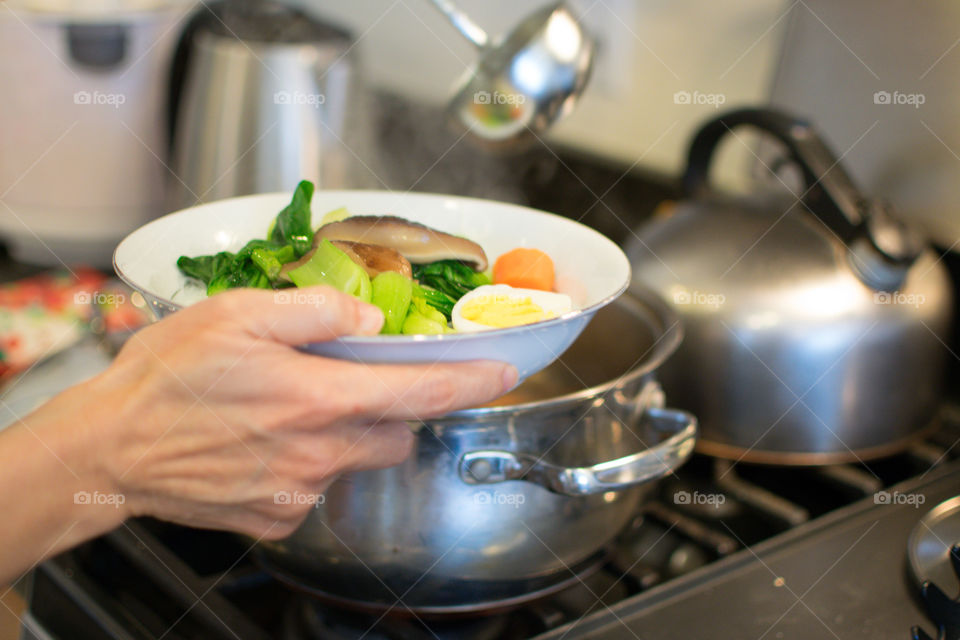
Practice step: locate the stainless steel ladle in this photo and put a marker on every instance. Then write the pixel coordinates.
(524, 83)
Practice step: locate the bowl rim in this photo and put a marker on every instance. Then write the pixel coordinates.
(668, 337)
(403, 339)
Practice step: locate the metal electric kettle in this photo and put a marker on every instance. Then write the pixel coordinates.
(815, 325)
(263, 96)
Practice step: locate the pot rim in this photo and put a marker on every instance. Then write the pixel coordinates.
(667, 338)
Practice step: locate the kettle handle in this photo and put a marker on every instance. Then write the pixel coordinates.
(830, 194)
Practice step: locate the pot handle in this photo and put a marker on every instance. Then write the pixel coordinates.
(884, 247)
(491, 467)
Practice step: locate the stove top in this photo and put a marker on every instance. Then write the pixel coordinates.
(842, 575)
(721, 550)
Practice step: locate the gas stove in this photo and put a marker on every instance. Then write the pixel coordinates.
(722, 550)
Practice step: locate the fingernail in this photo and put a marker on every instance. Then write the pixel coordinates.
(370, 319)
(509, 377)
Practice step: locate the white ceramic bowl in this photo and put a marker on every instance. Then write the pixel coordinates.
(589, 267)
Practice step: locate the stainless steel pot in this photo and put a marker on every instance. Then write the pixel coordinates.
(498, 503)
(814, 324)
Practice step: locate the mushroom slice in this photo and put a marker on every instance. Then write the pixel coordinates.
(374, 259)
(418, 243)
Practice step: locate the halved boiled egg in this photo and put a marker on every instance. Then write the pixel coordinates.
(495, 306)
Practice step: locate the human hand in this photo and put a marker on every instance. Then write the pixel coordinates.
(211, 412)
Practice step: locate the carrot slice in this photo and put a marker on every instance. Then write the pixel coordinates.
(525, 269)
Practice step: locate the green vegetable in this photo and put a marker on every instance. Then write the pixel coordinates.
(256, 243)
(248, 274)
(224, 270)
(335, 216)
(267, 262)
(365, 290)
(218, 284)
(452, 277)
(293, 223)
(205, 268)
(392, 293)
(416, 323)
(285, 254)
(331, 266)
(258, 263)
(422, 307)
(267, 256)
(227, 270)
(439, 301)
(422, 317)
(446, 281)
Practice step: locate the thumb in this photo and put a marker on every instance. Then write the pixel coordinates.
(298, 316)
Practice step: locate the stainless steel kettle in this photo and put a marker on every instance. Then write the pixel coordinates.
(814, 326)
(263, 96)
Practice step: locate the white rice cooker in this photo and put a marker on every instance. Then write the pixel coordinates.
(83, 129)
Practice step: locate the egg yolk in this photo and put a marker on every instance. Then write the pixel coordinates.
(504, 311)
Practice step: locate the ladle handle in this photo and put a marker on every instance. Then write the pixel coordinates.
(470, 29)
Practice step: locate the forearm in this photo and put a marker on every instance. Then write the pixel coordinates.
(53, 492)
